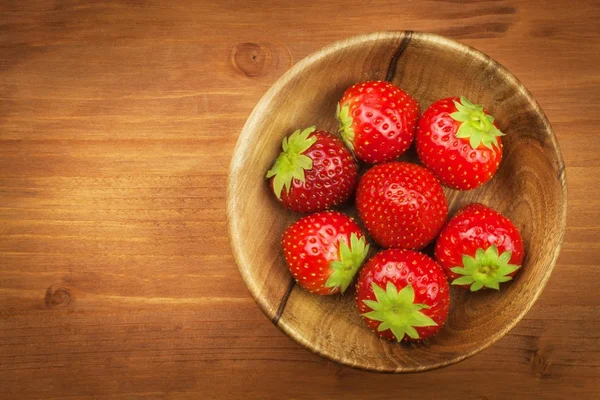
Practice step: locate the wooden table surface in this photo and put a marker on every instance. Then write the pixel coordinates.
(117, 124)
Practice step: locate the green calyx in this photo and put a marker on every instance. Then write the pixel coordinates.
(486, 269)
(345, 125)
(397, 311)
(475, 125)
(291, 163)
(351, 258)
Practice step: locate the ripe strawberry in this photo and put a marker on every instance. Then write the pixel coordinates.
(377, 120)
(316, 170)
(479, 247)
(401, 205)
(459, 142)
(403, 295)
(324, 251)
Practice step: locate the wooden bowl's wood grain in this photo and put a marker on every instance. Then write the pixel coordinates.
(529, 189)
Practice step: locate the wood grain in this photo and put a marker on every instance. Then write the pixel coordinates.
(117, 124)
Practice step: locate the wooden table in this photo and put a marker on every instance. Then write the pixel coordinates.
(117, 123)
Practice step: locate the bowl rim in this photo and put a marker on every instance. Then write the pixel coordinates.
(238, 159)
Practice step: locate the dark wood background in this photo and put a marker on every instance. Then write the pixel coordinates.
(117, 123)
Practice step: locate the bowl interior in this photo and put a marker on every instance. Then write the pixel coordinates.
(529, 188)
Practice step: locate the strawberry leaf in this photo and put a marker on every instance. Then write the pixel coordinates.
(475, 139)
(493, 285)
(460, 116)
(420, 319)
(291, 163)
(351, 257)
(371, 303)
(507, 269)
(459, 270)
(397, 311)
(486, 269)
(469, 262)
(475, 124)
(492, 253)
(410, 331)
(463, 280)
(345, 124)
(504, 258)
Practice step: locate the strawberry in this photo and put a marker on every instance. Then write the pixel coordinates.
(479, 247)
(459, 142)
(323, 251)
(377, 120)
(401, 205)
(403, 295)
(316, 170)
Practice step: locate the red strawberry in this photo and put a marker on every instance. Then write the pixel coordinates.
(403, 295)
(316, 170)
(459, 142)
(377, 120)
(401, 205)
(324, 251)
(479, 247)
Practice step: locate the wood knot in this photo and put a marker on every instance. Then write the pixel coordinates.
(254, 59)
(57, 296)
(540, 365)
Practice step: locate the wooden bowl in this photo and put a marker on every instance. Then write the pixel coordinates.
(529, 188)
